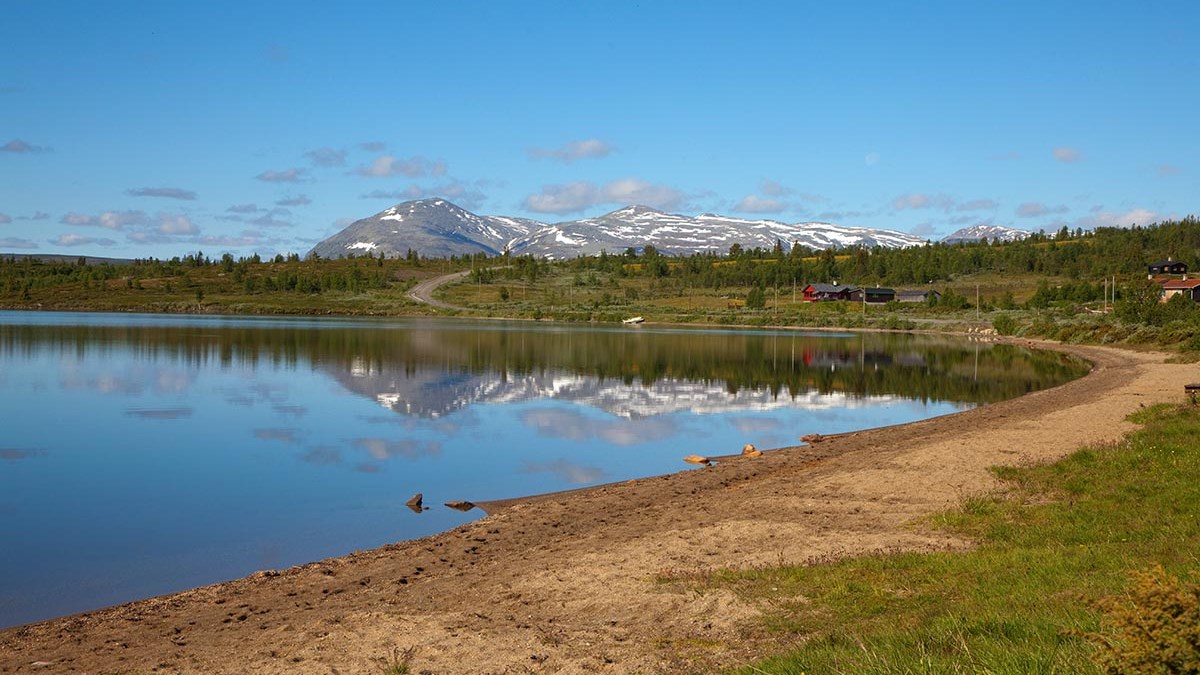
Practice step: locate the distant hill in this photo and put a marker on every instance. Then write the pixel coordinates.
(57, 258)
(978, 232)
(438, 228)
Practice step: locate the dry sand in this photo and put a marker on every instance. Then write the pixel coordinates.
(566, 583)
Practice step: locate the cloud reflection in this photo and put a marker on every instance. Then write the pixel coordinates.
(322, 454)
(293, 410)
(160, 413)
(284, 435)
(128, 382)
(575, 474)
(15, 454)
(576, 426)
(754, 425)
(409, 448)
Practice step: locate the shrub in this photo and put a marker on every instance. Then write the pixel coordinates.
(1154, 629)
(1005, 324)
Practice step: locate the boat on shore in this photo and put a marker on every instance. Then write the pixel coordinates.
(633, 321)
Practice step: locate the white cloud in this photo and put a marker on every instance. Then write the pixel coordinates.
(1067, 155)
(568, 198)
(635, 191)
(167, 192)
(919, 200)
(175, 224)
(1035, 209)
(285, 176)
(591, 148)
(413, 167)
(580, 195)
(1120, 219)
(79, 240)
(756, 204)
(871, 159)
(112, 220)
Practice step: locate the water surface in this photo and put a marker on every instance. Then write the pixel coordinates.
(143, 454)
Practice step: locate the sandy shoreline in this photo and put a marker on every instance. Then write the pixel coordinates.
(565, 583)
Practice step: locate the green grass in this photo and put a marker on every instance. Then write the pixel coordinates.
(1064, 537)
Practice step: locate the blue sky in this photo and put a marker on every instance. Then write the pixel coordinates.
(136, 129)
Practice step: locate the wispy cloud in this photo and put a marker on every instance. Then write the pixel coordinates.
(412, 167)
(293, 175)
(112, 220)
(1103, 218)
(298, 200)
(166, 192)
(756, 204)
(920, 200)
(80, 240)
(1067, 155)
(243, 208)
(1037, 209)
(1168, 170)
(580, 195)
(5, 219)
(373, 146)
(326, 157)
(976, 205)
(591, 148)
(277, 53)
(15, 242)
(21, 147)
(466, 195)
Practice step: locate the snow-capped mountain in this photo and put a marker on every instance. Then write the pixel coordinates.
(434, 227)
(992, 232)
(438, 228)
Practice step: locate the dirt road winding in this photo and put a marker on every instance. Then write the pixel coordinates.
(423, 292)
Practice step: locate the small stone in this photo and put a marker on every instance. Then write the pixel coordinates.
(749, 450)
(697, 459)
(414, 502)
(812, 438)
(460, 505)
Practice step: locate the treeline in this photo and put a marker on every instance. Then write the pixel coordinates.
(1087, 255)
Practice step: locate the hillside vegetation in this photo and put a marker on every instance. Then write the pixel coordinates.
(1056, 286)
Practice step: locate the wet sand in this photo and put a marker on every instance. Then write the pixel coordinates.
(565, 583)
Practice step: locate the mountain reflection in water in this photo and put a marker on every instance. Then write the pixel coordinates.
(144, 454)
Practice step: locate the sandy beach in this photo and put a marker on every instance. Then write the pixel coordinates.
(566, 583)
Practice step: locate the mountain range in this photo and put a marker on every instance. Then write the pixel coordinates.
(437, 228)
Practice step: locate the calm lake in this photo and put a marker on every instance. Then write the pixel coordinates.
(143, 454)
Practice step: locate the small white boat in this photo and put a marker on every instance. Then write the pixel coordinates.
(633, 320)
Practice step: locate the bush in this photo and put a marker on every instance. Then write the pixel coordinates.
(1154, 629)
(1005, 324)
